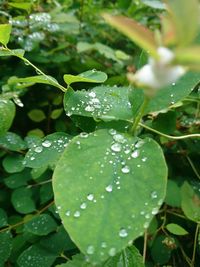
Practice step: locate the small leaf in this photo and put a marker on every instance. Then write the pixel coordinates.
(36, 115)
(139, 34)
(173, 196)
(6, 247)
(23, 6)
(13, 163)
(3, 218)
(90, 76)
(7, 114)
(186, 25)
(12, 141)
(18, 179)
(36, 256)
(103, 102)
(190, 203)
(176, 229)
(42, 224)
(118, 180)
(22, 200)
(29, 81)
(5, 31)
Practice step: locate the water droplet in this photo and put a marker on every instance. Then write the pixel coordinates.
(154, 211)
(90, 197)
(89, 108)
(103, 245)
(173, 84)
(77, 214)
(109, 188)
(123, 233)
(92, 94)
(116, 147)
(135, 154)
(67, 213)
(83, 206)
(32, 158)
(147, 216)
(38, 149)
(144, 159)
(139, 144)
(112, 252)
(46, 143)
(119, 138)
(90, 250)
(154, 195)
(126, 169)
(112, 131)
(84, 135)
(146, 225)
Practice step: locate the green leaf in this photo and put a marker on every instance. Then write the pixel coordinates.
(186, 26)
(7, 114)
(12, 141)
(5, 31)
(90, 76)
(165, 122)
(136, 32)
(29, 81)
(174, 93)
(112, 195)
(23, 6)
(6, 246)
(36, 256)
(190, 203)
(37, 115)
(160, 250)
(47, 151)
(18, 179)
(173, 196)
(176, 229)
(13, 163)
(22, 200)
(103, 102)
(43, 224)
(3, 218)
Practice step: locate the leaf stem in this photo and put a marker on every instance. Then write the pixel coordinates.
(193, 167)
(170, 136)
(145, 246)
(195, 245)
(26, 61)
(140, 114)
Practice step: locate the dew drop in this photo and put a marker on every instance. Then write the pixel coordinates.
(77, 214)
(38, 149)
(126, 169)
(112, 131)
(90, 197)
(46, 143)
(146, 225)
(92, 94)
(135, 154)
(67, 213)
(112, 252)
(144, 159)
(139, 144)
(116, 147)
(90, 250)
(123, 233)
(103, 245)
(119, 138)
(83, 206)
(109, 188)
(154, 211)
(154, 195)
(84, 135)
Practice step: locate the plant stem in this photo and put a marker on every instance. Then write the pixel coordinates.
(195, 245)
(193, 167)
(140, 114)
(26, 61)
(145, 246)
(170, 136)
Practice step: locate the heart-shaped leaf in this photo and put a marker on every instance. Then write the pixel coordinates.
(104, 186)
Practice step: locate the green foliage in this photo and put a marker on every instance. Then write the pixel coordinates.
(95, 171)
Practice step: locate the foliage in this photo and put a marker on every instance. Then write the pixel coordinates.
(94, 170)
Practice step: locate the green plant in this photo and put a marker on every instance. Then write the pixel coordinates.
(110, 175)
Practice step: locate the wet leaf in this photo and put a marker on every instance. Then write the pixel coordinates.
(5, 31)
(117, 179)
(7, 114)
